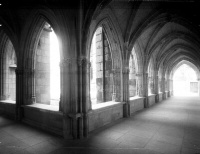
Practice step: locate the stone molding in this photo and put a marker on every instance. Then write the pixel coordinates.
(79, 61)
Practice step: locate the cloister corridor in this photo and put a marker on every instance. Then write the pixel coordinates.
(169, 127)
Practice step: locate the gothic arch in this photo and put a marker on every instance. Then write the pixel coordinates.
(112, 31)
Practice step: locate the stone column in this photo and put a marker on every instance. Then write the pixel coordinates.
(145, 90)
(84, 97)
(29, 79)
(168, 87)
(33, 98)
(163, 88)
(72, 104)
(65, 99)
(171, 87)
(113, 74)
(86, 102)
(126, 110)
(2, 97)
(19, 93)
(156, 90)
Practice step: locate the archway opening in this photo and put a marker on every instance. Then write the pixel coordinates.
(185, 81)
(133, 67)
(101, 75)
(150, 78)
(9, 76)
(47, 68)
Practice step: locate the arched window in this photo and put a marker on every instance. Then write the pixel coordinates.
(47, 70)
(9, 76)
(101, 78)
(132, 74)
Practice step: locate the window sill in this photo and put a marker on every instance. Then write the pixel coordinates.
(151, 94)
(105, 105)
(8, 101)
(135, 97)
(43, 107)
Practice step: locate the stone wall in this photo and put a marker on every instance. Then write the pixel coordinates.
(132, 77)
(51, 121)
(9, 72)
(42, 68)
(108, 70)
(103, 116)
(104, 76)
(136, 104)
(151, 99)
(8, 109)
(160, 96)
(99, 66)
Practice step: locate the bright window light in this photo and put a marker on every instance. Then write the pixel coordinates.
(93, 87)
(185, 81)
(54, 67)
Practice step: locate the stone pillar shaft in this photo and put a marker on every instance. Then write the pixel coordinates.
(156, 90)
(19, 93)
(145, 84)
(126, 108)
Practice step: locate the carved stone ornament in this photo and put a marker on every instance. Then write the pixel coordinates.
(83, 62)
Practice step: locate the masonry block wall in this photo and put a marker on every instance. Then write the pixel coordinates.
(151, 83)
(104, 77)
(42, 68)
(132, 78)
(99, 65)
(9, 72)
(108, 70)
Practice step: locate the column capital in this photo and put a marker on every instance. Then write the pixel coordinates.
(83, 62)
(115, 71)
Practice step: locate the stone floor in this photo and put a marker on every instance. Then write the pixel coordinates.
(170, 127)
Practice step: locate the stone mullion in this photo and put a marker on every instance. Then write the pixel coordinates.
(19, 93)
